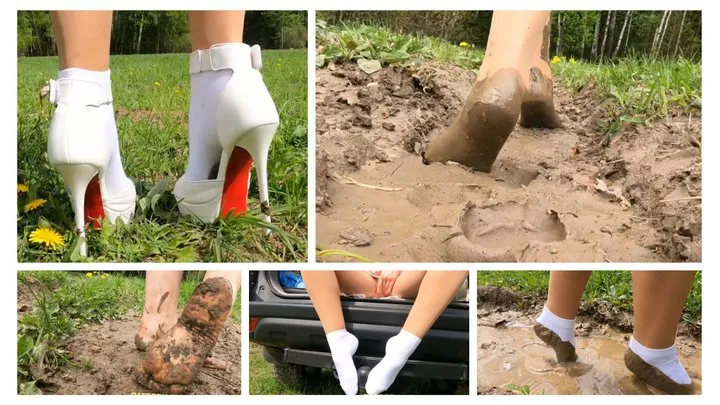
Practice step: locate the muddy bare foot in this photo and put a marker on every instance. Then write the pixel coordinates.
(155, 322)
(175, 359)
(564, 351)
(653, 377)
(483, 125)
(537, 109)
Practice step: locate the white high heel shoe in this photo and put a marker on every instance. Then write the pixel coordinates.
(77, 148)
(246, 120)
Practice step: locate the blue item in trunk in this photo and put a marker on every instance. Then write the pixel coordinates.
(288, 279)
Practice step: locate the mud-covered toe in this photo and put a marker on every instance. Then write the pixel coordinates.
(175, 358)
(538, 109)
(653, 377)
(564, 351)
(485, 122)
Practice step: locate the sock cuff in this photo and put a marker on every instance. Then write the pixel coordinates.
(96, 76)
(337, 334)
(548, 316)
(652, 355)
(409, 336)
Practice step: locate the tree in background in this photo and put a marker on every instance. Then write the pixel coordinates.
(142, 32)
(594, 35)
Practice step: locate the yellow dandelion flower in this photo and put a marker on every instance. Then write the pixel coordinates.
(35, 204)
(22, 188)
(572, 60)
(156, 84)
(48, 237)
(556, 59)
(88, 275)
(105, 275)
(464, 44)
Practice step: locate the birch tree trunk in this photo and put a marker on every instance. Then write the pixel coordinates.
(677, 43)
(593, 51)
(611, 39)
(607, 25)
(559, 37)
(622, 32)
(662, 36)
(627, 37)
(656, 38)
(142, 22)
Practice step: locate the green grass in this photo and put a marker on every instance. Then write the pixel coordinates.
(614, 287)
(641, 88)
(64, 301)
(151, 98)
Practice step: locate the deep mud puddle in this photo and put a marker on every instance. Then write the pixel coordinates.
(510, 357)
(552, 196)
(105, 361)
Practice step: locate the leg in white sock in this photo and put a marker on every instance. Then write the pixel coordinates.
(564, 328)
(205, 149)
(665, 360)
(343, 346)
(398, 350)
(115, 178)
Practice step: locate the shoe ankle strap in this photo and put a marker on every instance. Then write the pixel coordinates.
(225, 56)
(72, 91)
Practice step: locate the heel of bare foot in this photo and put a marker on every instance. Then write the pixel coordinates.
(564, 351)
(154, 323)
(486, 120)
(176, 357)
(653, 377)
(537, 109)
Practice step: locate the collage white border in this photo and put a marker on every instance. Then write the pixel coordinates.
(8, 116)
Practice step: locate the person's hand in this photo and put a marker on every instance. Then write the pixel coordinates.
(386, 282)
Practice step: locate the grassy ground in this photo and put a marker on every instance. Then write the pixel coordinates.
(612, 286)
(641, 88)
(151, 98)
(64, 301)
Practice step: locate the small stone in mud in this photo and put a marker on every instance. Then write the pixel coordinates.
(362, 121)
(389, 126)
(358, 237)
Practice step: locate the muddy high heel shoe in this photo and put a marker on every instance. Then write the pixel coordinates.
(564, 351)
(78, 149)
(246, 120)
(653, 377)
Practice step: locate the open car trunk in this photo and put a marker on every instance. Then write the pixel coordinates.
(285, 322)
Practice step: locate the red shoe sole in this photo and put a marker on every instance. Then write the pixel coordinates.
(94, 211)
(235, 189)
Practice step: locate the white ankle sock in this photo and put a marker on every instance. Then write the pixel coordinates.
(565, 328)
(665, 360)
(343, 346)
(115, 178)
(205, 149)
(397, 352)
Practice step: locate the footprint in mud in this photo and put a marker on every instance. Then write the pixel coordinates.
(515, 174)
(501, 231)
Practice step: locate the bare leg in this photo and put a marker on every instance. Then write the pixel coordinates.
(436, 291)
(408, 283)
(233, 277)
(216, 27)
(556, 323)
(514, 82)
(161, 303)
(658, 301)
(83, 38)
(565, 291)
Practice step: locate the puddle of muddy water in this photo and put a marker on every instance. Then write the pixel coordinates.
(511, 354)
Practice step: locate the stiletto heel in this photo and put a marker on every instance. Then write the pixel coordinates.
(77, 179)
(246, 120)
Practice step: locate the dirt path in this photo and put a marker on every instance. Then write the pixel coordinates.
(553, 195)
(511, 356)
(106, 362)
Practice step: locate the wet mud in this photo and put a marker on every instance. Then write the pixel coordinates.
(511, 357)
(105, 361)
(564, 194)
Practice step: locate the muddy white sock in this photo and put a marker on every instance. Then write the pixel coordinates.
(565, 328)
(343, 346)
(397, 352)
(115, 179)
(205, 149)
(665, 360)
